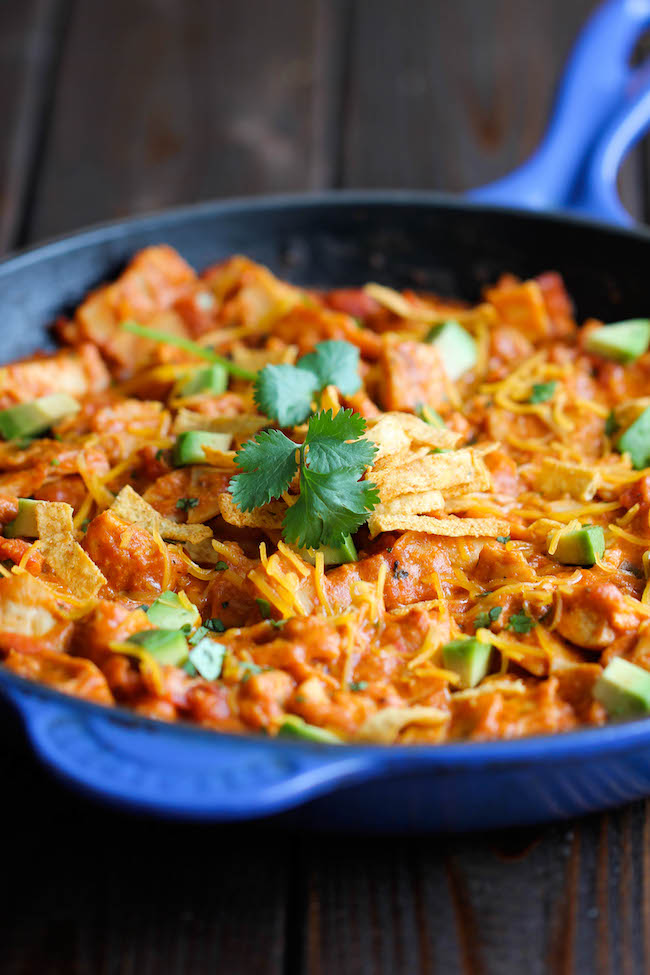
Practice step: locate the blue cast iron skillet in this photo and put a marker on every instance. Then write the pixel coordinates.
(424, 241)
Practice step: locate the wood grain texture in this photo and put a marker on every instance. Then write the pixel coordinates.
(164, 102)
(29, 32)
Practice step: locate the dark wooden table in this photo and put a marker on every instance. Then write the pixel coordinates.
(111, 108)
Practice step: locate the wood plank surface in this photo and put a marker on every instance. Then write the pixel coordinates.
(115, 108)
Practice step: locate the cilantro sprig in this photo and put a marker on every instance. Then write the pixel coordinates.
(285, 393)
(333, 502)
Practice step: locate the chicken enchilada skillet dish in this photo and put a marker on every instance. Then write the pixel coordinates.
(360, 515)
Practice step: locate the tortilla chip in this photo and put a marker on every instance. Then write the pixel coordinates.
(269, 517)
(451, 526)
(134, 509)
(239, 424)
(434, 472)
(399, 305)
(384, 726)
(412, 504)
(223, 459)
(394, 432)
(556, 478)
(62, 551)
(203, 552)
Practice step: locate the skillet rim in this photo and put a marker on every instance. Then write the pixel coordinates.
(542, 748)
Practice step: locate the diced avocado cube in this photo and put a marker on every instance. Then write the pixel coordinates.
(188, 448)
(332, 554)
(168, 612)
(456, 347)
(207, 656)
(469, 658)
(622, 341)
(581, 547)
(636, 441)
(28, 419)
(623, 689)
(166, 646)
(24, 524)
(294, 727)
(213, 380)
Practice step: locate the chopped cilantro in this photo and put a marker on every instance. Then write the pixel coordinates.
(224, 605)
(611, 424)
(542, 392)
(207, 657)
(399, 573)
(333, 502)
(220, 567)
(190, 669)
(84, 524)
(214, 624)
(250, 668)
(278, 624)
(55, 462)
(521, 623)
(440, 450)
(358, 685)
(184, 504)
(160, 453)
(389, 549)
(484, 619)
(264, 607)
(503, 539)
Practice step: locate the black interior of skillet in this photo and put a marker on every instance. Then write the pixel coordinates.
(406, 240)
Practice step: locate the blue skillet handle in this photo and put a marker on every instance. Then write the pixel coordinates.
(602, 108)
(176, 771)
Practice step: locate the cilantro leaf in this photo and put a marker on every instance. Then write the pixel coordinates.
(483, 620)
(285, 393)
(521, 623)
(335, 363)
(268, 463)
(330, 506)
(542, 392)
(327, 438)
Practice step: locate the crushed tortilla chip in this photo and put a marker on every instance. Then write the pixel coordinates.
(223, 459)
(556, 478)
(434, 472)
(384, 726)
(239, 424)
(399, 305)
(256, 359)
(132, 508)
(269, 517)
(395, 432)
(62, 551)
(451, 526)
(413, 504)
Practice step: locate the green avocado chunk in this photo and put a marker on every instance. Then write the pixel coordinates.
(167, 646)
(213, 380)
(188, 449)
(333, 554)
(623, 689)
(623, 341)
(581, 547)
(469, 658)
(24, 524)
(636, 441)
(207, 656)
(28, 419)
(456, 347)
(294, 727)
(168, 612)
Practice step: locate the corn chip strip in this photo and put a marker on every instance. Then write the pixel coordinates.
(385, 725)
(556, 478)
(242, 424)
(59, 547)
(450, 526)
(134, 509)
(269, 517)
(434, 472)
